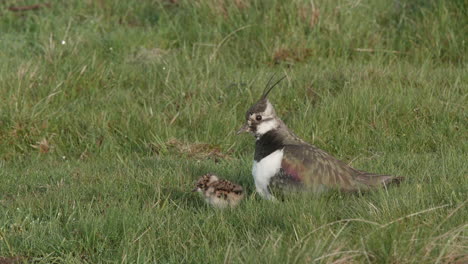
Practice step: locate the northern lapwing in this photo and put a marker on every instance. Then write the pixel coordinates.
(284, 160)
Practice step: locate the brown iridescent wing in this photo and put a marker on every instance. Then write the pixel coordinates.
(315, 168)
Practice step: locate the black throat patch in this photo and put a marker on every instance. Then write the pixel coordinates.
(267, 144)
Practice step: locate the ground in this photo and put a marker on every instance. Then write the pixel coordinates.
(110, 110)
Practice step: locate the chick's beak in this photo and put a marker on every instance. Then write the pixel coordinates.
(195, 189)
(244, 128)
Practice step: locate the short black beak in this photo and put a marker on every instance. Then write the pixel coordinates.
(244, 128)
(195, 189)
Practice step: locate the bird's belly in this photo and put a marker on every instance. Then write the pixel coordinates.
(217, 202)
(264, 170)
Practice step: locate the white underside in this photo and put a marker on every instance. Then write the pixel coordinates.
(264, 170)
(217, 202)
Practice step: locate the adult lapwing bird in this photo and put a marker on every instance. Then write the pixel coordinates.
(218, 192)
(284, 160)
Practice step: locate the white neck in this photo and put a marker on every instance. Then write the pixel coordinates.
(265, 127)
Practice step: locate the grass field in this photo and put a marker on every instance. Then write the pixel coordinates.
(110, 110)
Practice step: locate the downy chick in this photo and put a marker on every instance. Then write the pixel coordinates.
(218, 192)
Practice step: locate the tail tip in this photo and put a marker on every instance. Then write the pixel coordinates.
(396, 180)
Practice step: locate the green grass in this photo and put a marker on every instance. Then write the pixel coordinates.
(103, 136)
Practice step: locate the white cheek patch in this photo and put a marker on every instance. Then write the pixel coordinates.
(266, 126)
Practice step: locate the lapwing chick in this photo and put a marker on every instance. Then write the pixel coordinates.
(218, 192)
(284, 160)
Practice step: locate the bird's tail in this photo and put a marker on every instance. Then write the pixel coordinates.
(375, 180)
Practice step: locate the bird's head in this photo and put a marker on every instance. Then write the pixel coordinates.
(204, 181)
(261, 117)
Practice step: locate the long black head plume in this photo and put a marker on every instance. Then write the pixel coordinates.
(267, 90)
(268, 84)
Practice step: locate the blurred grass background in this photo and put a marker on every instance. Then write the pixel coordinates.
(109, 110)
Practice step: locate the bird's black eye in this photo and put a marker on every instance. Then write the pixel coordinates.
(258, 117)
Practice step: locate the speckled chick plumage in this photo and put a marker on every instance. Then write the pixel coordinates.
(218, 192)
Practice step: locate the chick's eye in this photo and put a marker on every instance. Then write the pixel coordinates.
(259, 117)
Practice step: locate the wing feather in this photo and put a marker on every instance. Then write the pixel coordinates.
(315, 167)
